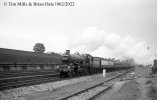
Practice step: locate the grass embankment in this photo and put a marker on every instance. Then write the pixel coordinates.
(129, 91)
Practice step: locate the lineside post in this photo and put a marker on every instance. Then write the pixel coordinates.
(104, 73)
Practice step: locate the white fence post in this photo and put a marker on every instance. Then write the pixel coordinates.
(104, 72)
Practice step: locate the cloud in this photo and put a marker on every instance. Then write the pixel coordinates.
(16, 40)
(90, 39)
(100, 43)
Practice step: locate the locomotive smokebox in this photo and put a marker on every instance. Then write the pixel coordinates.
(68, 52)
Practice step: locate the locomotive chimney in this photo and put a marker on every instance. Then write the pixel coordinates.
(68, 52)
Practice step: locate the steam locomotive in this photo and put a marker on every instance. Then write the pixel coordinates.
(76, 64)
(66, 64)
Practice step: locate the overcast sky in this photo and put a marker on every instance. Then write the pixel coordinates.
(106, 28)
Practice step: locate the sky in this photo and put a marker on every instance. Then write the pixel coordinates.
(104, 28)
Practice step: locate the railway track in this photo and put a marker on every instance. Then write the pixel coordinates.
(97, 89)
(10, 74)
(14, 82)
(32, 79)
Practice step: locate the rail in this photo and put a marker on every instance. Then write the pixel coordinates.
(87, 89)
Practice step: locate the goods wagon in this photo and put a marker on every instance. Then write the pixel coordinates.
(23, 60)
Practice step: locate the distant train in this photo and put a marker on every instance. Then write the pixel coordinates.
(66, 64)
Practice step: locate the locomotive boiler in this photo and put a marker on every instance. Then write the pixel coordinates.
(68, 58)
